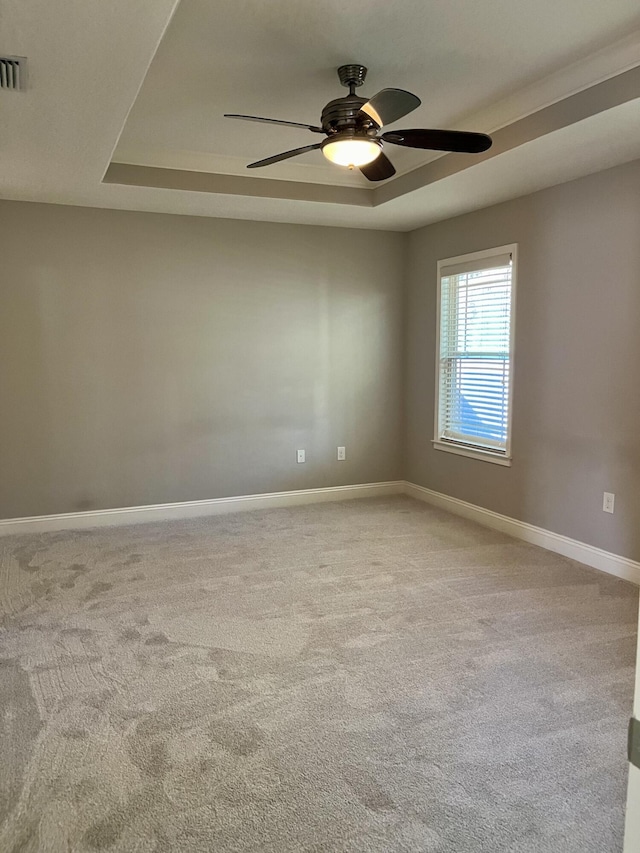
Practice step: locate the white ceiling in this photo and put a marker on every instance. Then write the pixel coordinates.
(106, 85)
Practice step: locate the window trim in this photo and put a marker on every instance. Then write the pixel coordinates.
(462, 448)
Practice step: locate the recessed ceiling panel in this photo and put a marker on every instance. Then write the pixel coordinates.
(278, 59)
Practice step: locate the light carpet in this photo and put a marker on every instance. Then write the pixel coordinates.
(372, 675)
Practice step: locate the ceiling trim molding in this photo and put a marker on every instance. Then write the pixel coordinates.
(610, 61)
(162, 34)
(302, 171)
(588, 102)
(207, 182)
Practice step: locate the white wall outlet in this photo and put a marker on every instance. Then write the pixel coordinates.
(301, 456)
(608, 501)
(342, 454)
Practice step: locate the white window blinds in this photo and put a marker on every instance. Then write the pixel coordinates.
(475, 352)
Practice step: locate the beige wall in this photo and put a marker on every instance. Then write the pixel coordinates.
(576, 427)
(148, 358)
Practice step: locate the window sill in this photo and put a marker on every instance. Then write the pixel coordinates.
(473, 453)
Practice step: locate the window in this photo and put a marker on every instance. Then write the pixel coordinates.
(475, 354)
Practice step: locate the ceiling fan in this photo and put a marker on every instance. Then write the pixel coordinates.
(351, 125)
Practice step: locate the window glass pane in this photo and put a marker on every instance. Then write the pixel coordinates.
(475, 343)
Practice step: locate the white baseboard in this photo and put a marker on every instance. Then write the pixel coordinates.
(613, 564)
(193, 509)
(605, 561)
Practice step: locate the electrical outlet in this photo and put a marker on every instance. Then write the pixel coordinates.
(342, 454)
(301, 456)
(608, 501)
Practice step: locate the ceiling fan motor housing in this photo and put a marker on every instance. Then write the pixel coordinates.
(344, 114)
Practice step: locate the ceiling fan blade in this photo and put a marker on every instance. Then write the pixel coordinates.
(440, 140)
(311, 127)
(389, 105)
(379, 170)
(284, 156)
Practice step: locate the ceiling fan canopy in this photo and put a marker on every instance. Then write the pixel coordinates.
(352, 126)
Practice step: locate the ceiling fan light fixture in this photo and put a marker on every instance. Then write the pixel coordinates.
(351, 151)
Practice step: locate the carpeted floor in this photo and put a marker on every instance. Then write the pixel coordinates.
(371, 675)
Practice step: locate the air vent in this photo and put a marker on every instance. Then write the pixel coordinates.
(13, 73)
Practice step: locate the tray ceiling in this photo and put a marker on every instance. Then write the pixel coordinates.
(130, 115)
